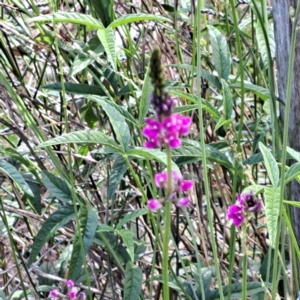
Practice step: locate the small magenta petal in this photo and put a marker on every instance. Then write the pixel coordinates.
(172, 140)
(72, 294)
(170, 123)
(175, 143)
(70, 283)
(152, 144)
(185, 125)
(183, 202)
(53, 293)
(186, 185)
(161, 179)
(154, 205)
(236, 214)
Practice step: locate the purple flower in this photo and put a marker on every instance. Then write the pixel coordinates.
(183, 202)
(185, 125)
(152, 128)
(70, 284)
(172, 139)
(161, 179)
(167, 131)
(72, 294)
(154, 205)
(81, 296)
(54, 293)
(250, 202)
(237, 214)
(185, 185)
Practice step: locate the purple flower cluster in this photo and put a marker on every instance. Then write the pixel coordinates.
(72, 292)
(166, 131)
(240, 211)
(178, 185)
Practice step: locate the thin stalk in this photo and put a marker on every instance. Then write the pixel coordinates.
(165, 259)
(204, 160)
(71, 177)
(285, 139)
(244, 262)
(241, 123)
(167, 233)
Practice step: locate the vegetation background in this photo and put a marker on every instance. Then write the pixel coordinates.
(74, 175)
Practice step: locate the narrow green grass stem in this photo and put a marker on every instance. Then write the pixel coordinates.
(71, 177)
(167, 233)
(244, 262)
(204, 160)
(165, 262)
(285, 139)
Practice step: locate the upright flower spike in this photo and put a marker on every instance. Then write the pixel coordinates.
(166, 127)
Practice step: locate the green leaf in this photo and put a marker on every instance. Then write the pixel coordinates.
(2, 296)
(118, 170)
(145, 153)
(19, 156)
(293, 203)
(128, 241)
(272, 196)
(204, 74)
(104, 228)
(212, 154)
(59, 218)
(92, 50)
(88, 218)
(220, 52)
(261, 129)
(236, 290)
(104, 102)
(227, 100)
(266, 269)
(261, 92)
(191, 98)
(293, 153)
(255, 188)
(57, 187)
(35, 201)
(107, 38)
(69, 17)
(117, 120)
(77, 89)
(262, 43)
(133, 282)
(222, 122)
(258, 158)
(271, 165)
(145, 97)
(103, 10)
(16, 177)
(90, 137)
(292, 173)
(137, 17)
(131, 216)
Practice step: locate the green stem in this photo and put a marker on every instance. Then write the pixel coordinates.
(285, 139)
(204, 159)
(165, 262)
(244, 266)
(165, 258)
